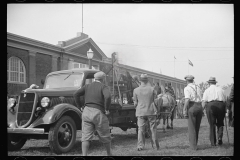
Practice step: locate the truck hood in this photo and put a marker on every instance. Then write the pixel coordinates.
(52, 92)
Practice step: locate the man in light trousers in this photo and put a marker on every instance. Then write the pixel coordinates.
(145, 111)
(94, 117)
(192, 110)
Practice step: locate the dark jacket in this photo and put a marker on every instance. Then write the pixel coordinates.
(96, 95)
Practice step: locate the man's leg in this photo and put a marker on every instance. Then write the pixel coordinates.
(103, 129)
(220, 122)
(153, 128)
(85, 147)
(87, 130)
(164, 122)
(198, 122)
(191, 129)
(141, 135)
(108, 148)
(212, 126)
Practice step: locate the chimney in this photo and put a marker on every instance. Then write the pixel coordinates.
(82, 35)
(61, 43)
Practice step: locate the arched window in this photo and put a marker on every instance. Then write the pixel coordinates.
(16, 72)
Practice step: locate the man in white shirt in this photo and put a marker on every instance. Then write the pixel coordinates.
(192, 110)
(214, 100)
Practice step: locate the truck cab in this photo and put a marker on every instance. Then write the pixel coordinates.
(51, 113)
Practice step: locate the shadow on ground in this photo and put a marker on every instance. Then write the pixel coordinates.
(44, 149)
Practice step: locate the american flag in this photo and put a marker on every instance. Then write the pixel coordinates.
(190, 63)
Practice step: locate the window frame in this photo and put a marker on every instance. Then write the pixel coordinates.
(19, 65)
(85, 66)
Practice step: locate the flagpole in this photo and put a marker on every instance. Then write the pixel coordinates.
(174, 66)
(82, 17)
(188, 66)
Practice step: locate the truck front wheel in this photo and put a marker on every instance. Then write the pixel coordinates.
(62, 135)
(15, 143)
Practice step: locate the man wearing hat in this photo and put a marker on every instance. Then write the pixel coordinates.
(214, 100)
(192, 110)
(94, 117)
(146, 112)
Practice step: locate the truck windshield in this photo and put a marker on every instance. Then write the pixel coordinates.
(60, 81)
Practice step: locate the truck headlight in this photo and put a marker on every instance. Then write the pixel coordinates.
(11, 102)
(45, 101)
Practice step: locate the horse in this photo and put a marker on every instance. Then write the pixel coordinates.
(167, 109)
(169, 105)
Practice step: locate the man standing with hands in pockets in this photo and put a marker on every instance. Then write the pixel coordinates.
(192, 110)
(143, 97)
(94, 116)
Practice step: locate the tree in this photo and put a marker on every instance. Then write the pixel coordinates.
(227, 86)
(203, 86)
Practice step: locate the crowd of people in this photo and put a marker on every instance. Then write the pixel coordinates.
(98, 100)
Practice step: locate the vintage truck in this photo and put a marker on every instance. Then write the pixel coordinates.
(51, 113)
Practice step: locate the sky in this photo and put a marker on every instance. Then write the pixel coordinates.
(146, 36)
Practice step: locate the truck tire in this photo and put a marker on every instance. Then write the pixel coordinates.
(62, 135)
(16, 143)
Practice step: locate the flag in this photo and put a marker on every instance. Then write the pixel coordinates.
(190, 63)
(175, 57)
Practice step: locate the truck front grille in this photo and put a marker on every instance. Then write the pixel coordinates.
(25, 108)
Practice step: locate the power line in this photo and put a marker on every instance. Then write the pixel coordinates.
(164, 47)
(181, 60)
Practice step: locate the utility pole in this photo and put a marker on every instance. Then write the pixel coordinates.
(82, 17)
(174, 66)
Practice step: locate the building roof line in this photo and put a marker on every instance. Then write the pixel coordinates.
(34, 42)
(82, 42)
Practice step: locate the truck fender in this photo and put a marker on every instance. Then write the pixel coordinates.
(55, 113)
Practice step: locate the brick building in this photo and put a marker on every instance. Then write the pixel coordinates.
(29, 61)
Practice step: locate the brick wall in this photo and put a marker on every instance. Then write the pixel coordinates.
(43, 67)
(15, 89)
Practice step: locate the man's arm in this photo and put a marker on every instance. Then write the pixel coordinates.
(186, 102)
(185, 107)
(135, 100)
(204, 99)
(77, 95)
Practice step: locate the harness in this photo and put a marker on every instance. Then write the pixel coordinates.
(196, 95)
